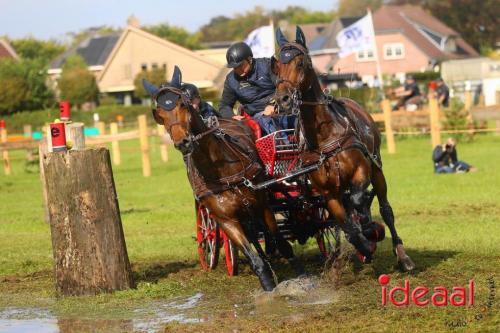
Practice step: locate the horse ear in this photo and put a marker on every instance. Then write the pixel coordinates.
(299, 36)
(176, 78)
(149, 87)
(274, 65)
(280, 38)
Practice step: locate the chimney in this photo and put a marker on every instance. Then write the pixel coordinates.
(133, 21)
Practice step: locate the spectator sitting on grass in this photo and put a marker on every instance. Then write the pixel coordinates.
(446, 161)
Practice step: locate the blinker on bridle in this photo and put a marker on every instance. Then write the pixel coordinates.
(186, 145)
(295, 93)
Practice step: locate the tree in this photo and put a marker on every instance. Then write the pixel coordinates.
(33, 49)
(222, 28)
(77, 84)
(156, 76)
(300, 15)
(23, 86)
(350, 8)
(175, 35)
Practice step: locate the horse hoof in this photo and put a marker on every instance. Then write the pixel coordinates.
(406, 264)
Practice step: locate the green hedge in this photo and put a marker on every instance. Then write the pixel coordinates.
(37, 119)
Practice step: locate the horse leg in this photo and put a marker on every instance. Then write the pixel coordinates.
(380, 186)
(283, 246)
(259, 265)
(352, 231)
(358, 209)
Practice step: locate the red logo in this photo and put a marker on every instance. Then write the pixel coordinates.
(422, 296)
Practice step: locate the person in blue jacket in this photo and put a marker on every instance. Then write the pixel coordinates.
(205, 109)
(252, 83)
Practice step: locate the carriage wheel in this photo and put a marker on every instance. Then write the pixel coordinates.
(231, 254)
(208, 239)
(327, 237)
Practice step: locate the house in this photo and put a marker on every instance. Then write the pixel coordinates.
(408, 39)
(479, 75)
(116, 59)
(95, 50)
(7, 51)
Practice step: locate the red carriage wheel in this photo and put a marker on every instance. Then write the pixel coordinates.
(231, 254)
(208, 239)
(328, 236)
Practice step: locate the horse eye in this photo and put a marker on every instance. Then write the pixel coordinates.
(300, 63)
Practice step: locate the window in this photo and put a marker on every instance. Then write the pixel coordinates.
(144, 67)
(154, 65)
(365, 55)
(394, 51)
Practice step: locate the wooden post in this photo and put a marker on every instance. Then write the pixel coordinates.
(101, 126)
(48, 137)
(163, 145)
(43, 149)
(434, 120)
(389, 134)
(468, 108)
(27, 134)
(76, 135)
(6, 160)
(88, 244)
(143, 136)
(115, 146)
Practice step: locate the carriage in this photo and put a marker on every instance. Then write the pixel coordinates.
(299, 210)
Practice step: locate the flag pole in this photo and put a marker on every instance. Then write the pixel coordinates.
(271, 23)
(375, 54)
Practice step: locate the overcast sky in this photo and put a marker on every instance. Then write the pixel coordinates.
(47, 19)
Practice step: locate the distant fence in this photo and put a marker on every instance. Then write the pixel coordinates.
(142, 133)
(429, 119)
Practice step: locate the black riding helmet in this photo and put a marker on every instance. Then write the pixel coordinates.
(237, 53)
(191, 90)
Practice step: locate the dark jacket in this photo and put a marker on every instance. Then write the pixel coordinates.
(442, 157)
(206, 110)
(254, 91)
(443, 90)
(413, 87)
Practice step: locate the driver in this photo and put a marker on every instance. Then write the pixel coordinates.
(252, 84)
(193, 94)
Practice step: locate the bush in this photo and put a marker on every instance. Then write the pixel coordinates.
(77, 84)
(456, 118)
(23, 86)
(368, 98)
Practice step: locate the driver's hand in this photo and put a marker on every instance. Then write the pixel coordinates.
(269, 110)
(238, 117)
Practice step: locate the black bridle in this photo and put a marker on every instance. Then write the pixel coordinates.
(185, 145)
(295, 93)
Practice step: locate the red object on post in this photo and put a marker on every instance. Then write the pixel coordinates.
(432, 85)
(65, 109)
(58, 136)
(2, 123)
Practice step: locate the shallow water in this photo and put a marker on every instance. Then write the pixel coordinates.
(291, 298)
(148, 319)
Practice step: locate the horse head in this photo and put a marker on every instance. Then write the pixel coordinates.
(294, 70)
(172, 109)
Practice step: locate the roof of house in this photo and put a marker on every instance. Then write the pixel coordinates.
(326, 40)
(95, 50)
(420, 27)
(6, 50)
(313, 30)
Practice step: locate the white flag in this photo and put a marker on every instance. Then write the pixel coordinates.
(261, 41)
(356, 37)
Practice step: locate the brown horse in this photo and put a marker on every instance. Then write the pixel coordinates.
(342, 139)
(219, 158)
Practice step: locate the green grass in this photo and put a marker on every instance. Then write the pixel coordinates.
(450, 225)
